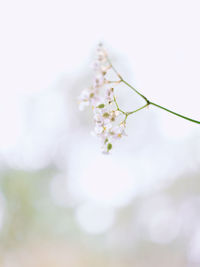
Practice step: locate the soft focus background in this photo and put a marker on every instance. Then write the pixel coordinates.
(63, 203)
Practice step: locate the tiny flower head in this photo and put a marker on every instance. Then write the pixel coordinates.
(101, 98)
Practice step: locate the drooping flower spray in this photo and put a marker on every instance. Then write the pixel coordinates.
(109, 118)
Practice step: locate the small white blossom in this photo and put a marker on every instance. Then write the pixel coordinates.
(98, 129)
(119, 131)
(110, 95)
(88, 97)
(99, 81)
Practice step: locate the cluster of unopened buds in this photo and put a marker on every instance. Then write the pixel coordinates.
(109, 119)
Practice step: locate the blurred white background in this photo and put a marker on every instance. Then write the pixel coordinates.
(142, 199)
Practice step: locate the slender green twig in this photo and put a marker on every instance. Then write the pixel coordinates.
(116, 103)
(114, 81)
(125, 113)
(116, 72)
(129, 113)
(177, 114)
(147, 101)
(135, 91)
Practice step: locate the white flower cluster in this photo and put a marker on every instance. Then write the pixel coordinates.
(100, 96)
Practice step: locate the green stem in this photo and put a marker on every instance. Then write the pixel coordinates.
(116, 72)
(135, 90)
(118, 106)
(177, 114)
(138, 109)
